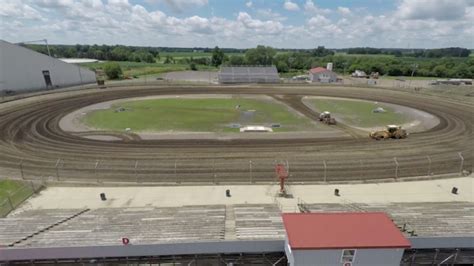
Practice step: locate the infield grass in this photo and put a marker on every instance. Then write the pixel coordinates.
(196, 115)
(360, 113)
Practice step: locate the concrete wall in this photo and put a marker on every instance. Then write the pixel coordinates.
(131, 250)
(363, 257)
(21, 70)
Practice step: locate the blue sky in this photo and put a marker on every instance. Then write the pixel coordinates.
(242, 23)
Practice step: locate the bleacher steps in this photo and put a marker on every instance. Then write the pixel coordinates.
(229, 223)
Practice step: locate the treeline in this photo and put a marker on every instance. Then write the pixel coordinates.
(101, 52)
(428, 53)
(443, 63)
(386, 65)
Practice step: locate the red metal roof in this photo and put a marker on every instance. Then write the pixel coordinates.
(317, 70)
(342, 230)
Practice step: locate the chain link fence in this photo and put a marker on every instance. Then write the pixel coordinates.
(302, 169)
(15, 198)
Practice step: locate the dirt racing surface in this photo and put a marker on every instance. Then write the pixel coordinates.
(33, 146)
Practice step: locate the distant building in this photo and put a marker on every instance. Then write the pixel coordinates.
(359, 74)
(323, 75)
(248, 74)
(78, 60)
(22, 69)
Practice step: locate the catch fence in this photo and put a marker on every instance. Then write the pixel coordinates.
(302, 169)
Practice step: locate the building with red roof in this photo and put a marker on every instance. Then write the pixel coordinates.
(322, 75)
(358, 238)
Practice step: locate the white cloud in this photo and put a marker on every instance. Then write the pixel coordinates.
(311, 8)
(426, 9)
(54, 3)
(181, 5)
(259, 26)
(318, 21)
(122, 22)
(290, 6)
(249, 4)
(269, 14)
(17, 10)
(343, 10)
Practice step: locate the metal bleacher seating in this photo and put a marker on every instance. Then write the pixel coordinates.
(22, 227)
(109, 226)
(258, 221)
(248, 74)
(417, 218)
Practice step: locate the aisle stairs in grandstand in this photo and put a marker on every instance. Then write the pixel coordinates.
(230, 233)
(24, 226)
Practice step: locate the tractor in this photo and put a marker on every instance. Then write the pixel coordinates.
(326, 118)
(391, 132)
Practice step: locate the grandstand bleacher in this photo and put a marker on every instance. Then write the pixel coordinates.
(108, 226)
(150, 225)
(422, 219)
(258, 221)
(248, 74)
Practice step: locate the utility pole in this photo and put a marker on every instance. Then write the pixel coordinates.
(43, 40)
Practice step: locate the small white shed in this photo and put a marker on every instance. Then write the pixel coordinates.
(343, 239)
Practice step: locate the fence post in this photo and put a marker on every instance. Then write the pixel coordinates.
(214, 170)
(175, 171)
(250, 172)
(361, 169)
(21, 169)
(136, 174)
(325, 171)
(429, 165)
(57, 168)
(95, 170)
(396, 167)
(10, 203)
(462, 162)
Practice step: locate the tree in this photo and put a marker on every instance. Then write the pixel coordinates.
(261, 55)
(282, 66)
(193, 67)
(321, 51)
(112, 70)
(236, 60)
(217, 57)
(440, 71)
(169, 59)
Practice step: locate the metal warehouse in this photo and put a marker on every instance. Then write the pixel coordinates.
(22, 70)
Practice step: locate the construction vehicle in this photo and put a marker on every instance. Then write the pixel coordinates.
(391, 132)
(326, 118)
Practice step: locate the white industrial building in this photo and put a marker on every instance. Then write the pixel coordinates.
(323, 75)
(22, 70)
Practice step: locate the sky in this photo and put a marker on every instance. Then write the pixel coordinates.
(242, 23)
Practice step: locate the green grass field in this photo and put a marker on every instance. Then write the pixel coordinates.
(359, 113)
(131, 69)
(195, 115)
(16, 191)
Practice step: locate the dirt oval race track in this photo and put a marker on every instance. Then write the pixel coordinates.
(34, 147)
